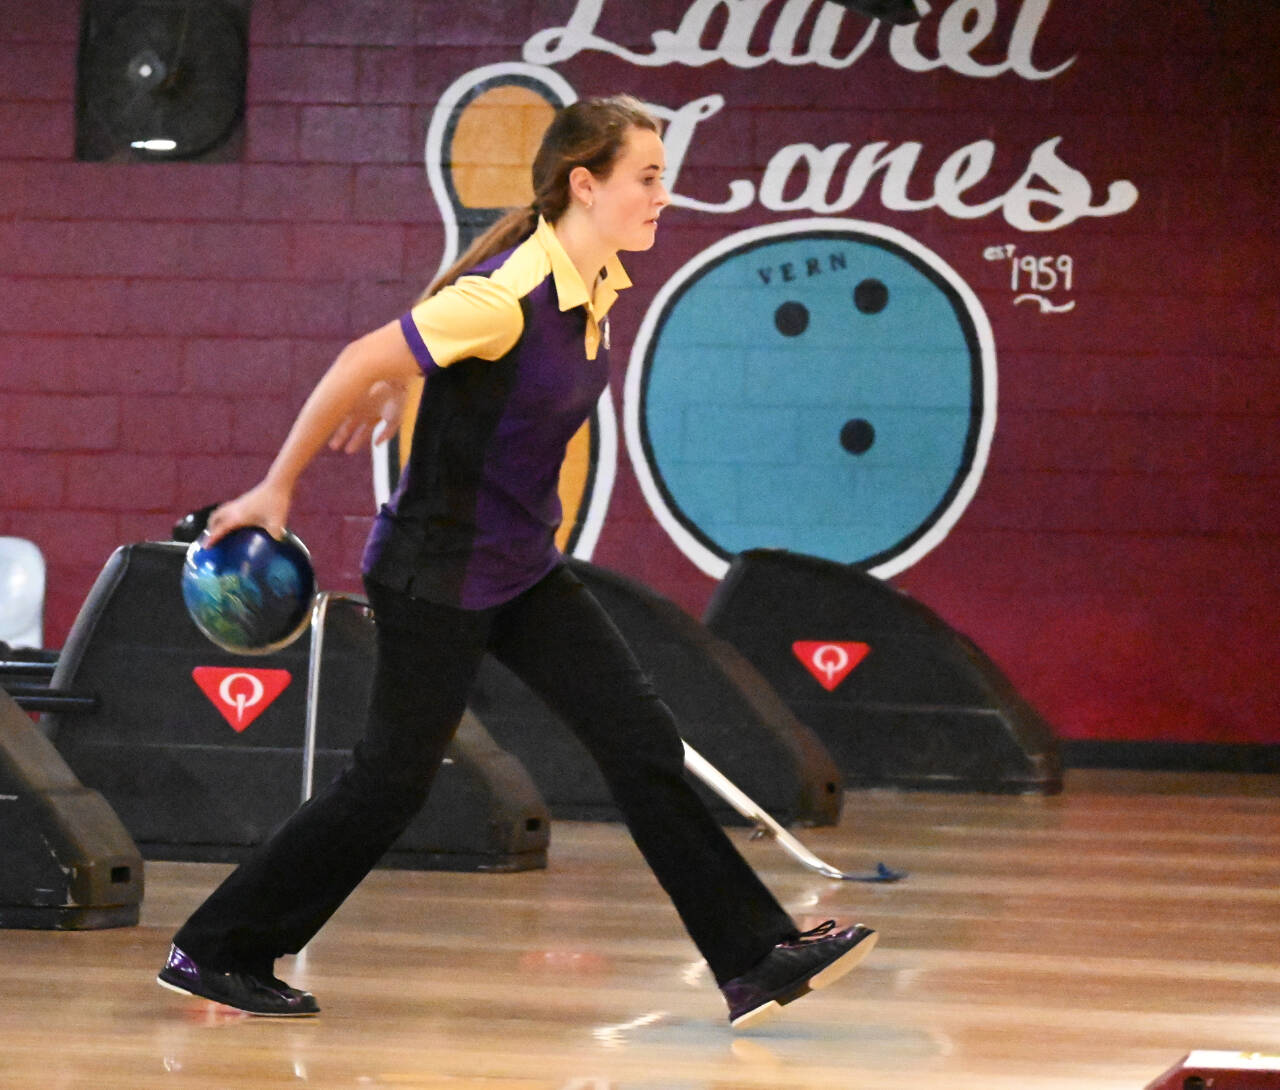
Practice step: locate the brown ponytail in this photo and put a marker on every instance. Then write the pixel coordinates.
(514, 227)
(589, 133)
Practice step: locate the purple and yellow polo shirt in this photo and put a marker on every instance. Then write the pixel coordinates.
(514, 364)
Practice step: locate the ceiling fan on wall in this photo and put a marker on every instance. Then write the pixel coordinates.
(160, 79)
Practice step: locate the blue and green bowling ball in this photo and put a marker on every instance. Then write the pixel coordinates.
(247, 592)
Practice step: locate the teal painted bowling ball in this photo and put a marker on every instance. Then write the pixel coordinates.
(247, 592)
(823, 386)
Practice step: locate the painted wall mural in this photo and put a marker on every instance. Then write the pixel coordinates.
(823, 385)
(985, 303)
(801, 379)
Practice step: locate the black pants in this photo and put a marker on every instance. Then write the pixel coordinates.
(560, 642)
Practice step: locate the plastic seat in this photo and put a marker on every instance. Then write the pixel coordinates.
(22, 584)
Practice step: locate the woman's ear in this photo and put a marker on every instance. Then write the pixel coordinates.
(582, 185)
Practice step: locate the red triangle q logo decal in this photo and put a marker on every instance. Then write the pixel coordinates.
(830, 661)
(240, 695)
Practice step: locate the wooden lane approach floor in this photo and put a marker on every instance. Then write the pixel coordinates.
(1089, 941)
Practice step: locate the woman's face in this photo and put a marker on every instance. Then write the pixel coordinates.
(626, 205)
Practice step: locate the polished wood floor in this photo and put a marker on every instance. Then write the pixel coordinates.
(1084, 941)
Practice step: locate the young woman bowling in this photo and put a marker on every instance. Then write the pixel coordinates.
(462, 562)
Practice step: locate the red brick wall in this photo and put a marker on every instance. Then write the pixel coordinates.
(160, 324)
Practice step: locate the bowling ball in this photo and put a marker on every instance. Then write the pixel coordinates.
(247, 592)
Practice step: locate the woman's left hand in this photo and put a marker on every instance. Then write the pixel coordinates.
(378, 415)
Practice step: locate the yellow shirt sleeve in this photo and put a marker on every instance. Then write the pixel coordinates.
(476, 316)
